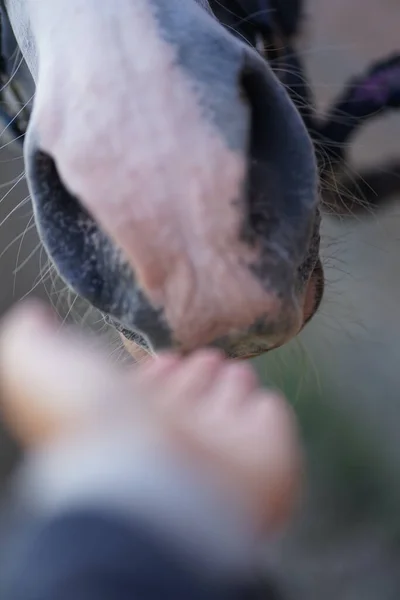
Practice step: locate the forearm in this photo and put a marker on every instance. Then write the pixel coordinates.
(125, 520)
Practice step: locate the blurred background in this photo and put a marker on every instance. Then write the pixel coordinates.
(342, 374)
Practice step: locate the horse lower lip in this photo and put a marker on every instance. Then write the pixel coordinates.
(249, 356)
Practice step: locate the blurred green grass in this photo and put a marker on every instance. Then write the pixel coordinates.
(356, 483)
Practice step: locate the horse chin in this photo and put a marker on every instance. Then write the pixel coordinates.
(246, 347)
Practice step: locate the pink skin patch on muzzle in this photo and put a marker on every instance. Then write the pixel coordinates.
(129, 138)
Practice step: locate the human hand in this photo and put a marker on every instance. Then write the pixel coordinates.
(210, 410)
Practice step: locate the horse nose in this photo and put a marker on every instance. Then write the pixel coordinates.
(173, 180)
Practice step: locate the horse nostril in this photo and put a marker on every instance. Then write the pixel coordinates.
(84, 255)
(282, 176)
(314, 292)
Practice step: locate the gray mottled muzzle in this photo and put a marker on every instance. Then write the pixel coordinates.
(173, 181)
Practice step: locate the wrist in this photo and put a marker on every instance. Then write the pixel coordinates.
(138, 479)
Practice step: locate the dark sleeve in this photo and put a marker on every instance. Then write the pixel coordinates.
(86, 555)
(123, 520)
